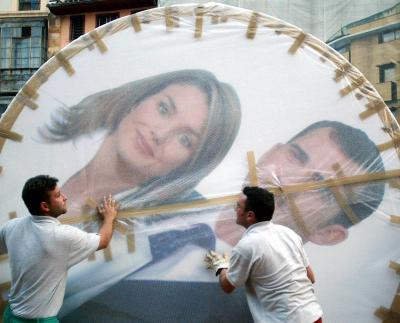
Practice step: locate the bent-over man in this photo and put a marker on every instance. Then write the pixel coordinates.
(271, 262)
(41, 250)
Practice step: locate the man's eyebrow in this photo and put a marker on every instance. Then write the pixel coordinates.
(300, 153)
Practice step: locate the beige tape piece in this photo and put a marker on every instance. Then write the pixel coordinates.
(224, 19)
(169, 20)
(121, 228)
(341, 71)
(391, 315)
(1, 169)
(66, 65)
(10, 135)
(353, 86)
(340, 174)
(372, 109)
(395, 266)
(297, 43)
(251, 161)
(136, 23)
(252, 27)
(29, 91)
(24, 100)
(390, 144)
(395, 219)
(295, 212)
(3, 257)
(130, 238)
(199, 11)
(91, 203)
(99, 42)
(343, 204)
(12, 215)
(107, 253)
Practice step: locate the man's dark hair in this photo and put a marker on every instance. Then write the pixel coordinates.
(260, 201)
(36, 190)
(357, 146)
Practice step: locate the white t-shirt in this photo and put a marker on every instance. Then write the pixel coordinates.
(270, 261)
(41, 250)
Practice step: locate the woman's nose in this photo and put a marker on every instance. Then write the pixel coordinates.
(159, 136)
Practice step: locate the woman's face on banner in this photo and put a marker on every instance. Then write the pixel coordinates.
(163, 131)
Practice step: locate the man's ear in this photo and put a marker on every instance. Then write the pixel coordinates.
(44, 207)
(251, 217)
(329, 235)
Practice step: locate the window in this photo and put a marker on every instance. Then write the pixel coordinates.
(29, 5)
(77, 26)
(388, 36)
(387, 73)
(105, 18)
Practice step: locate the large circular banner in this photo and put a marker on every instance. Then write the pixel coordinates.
(173, 110)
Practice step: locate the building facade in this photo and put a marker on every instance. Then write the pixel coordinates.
(69, 19)
(23, 44)
(373, 46)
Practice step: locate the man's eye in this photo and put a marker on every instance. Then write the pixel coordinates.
(163, 109)
(185, 140)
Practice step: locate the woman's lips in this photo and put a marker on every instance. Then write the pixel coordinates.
(144, 145)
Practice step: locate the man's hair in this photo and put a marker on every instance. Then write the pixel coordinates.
(260, 201)
(357, 146)
(36, 190)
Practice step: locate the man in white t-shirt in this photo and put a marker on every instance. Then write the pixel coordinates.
(270, 262)
(41, 250)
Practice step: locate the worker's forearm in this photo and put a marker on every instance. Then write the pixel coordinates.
(226, 286)
(105, 232)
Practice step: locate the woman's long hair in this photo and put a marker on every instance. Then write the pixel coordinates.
(106, 109)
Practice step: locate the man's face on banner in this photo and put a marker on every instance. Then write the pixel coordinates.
(305, 159)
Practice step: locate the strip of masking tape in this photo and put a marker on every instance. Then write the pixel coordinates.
(121, 228)
(107, 253)
(136, 23)
(1, 169)
(29, 91)
(297, 43)
(341, 71)
(295, 212)
(371, 110)
(91, 203)
(224, 19)
(3, 257)
(169, 21)
(252, 27)
(12, 215)
(5, 286)
(10, 135)
(66, 65)
(343, 204)
(130, 238)
(395, 266)
(230, 199)
(382, 313)
(395, 219)
(340, 174)
(199, 11)
(394, 183)
(99, 42)
(24, 100)
(353, 86)
(389, 144)
(251, 160)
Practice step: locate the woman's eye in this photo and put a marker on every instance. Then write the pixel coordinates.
(185, 140)
(163, 108)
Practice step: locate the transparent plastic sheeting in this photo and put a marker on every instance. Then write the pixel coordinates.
(321, 18)
(161, 109)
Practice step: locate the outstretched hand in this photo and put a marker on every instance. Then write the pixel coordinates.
(216, 261)
(108, 209)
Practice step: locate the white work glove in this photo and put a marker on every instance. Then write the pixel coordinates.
(216, 262)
